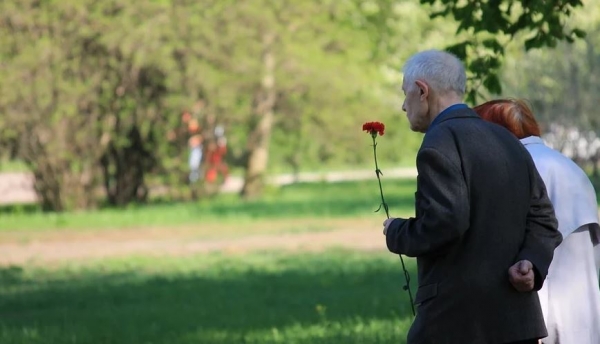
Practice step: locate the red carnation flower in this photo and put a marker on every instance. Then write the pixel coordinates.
(374, 128)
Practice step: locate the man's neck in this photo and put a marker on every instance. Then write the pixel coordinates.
(442, 103)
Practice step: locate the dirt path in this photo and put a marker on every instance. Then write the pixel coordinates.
(60, 246)
(53, 247)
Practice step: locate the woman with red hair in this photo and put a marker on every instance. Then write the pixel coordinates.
(570, 297)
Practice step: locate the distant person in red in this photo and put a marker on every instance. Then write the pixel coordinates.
(215, 155)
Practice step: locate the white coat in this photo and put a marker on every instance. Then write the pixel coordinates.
(570, 297)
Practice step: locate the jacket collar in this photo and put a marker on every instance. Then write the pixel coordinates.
(532, 140)
(452, 113)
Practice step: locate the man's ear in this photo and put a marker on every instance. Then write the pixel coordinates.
(423, 89)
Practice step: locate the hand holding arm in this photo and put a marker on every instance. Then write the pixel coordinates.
(522, 276)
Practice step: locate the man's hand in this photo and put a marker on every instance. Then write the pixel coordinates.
(386, 224)
(521, 276)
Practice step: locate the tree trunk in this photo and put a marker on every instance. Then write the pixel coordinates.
(47, 189)
(124, 170)
(47, 184)
(260, 136)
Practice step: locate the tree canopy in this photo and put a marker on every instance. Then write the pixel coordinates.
(92, 91)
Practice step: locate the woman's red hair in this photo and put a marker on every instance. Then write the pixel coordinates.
(513, 114)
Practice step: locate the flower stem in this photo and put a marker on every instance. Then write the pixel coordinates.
(387, 213)
(378, 173)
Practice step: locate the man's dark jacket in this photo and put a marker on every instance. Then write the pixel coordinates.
(480, 207)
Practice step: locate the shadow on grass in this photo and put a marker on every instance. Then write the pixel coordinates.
(313, 301)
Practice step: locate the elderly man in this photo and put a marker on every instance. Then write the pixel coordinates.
(484, 232)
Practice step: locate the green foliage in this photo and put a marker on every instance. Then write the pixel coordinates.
(81, 99)
(488, 26)
(92, 91)
(561, 85)
(333, 297)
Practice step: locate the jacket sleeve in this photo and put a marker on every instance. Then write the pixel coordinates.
(541, 230)
(442, 208)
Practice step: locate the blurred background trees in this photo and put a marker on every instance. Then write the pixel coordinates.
(92, 92)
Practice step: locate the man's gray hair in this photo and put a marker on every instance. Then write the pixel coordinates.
(441, 70)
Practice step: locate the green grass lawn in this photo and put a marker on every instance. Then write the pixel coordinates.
(302, 200)
(12, 166)
(265, 297)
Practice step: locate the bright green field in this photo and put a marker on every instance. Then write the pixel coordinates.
(266, 297)
(305, 200)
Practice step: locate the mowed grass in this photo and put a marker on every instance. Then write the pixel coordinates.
(332, 296)
(304, 200)
(263, 297)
